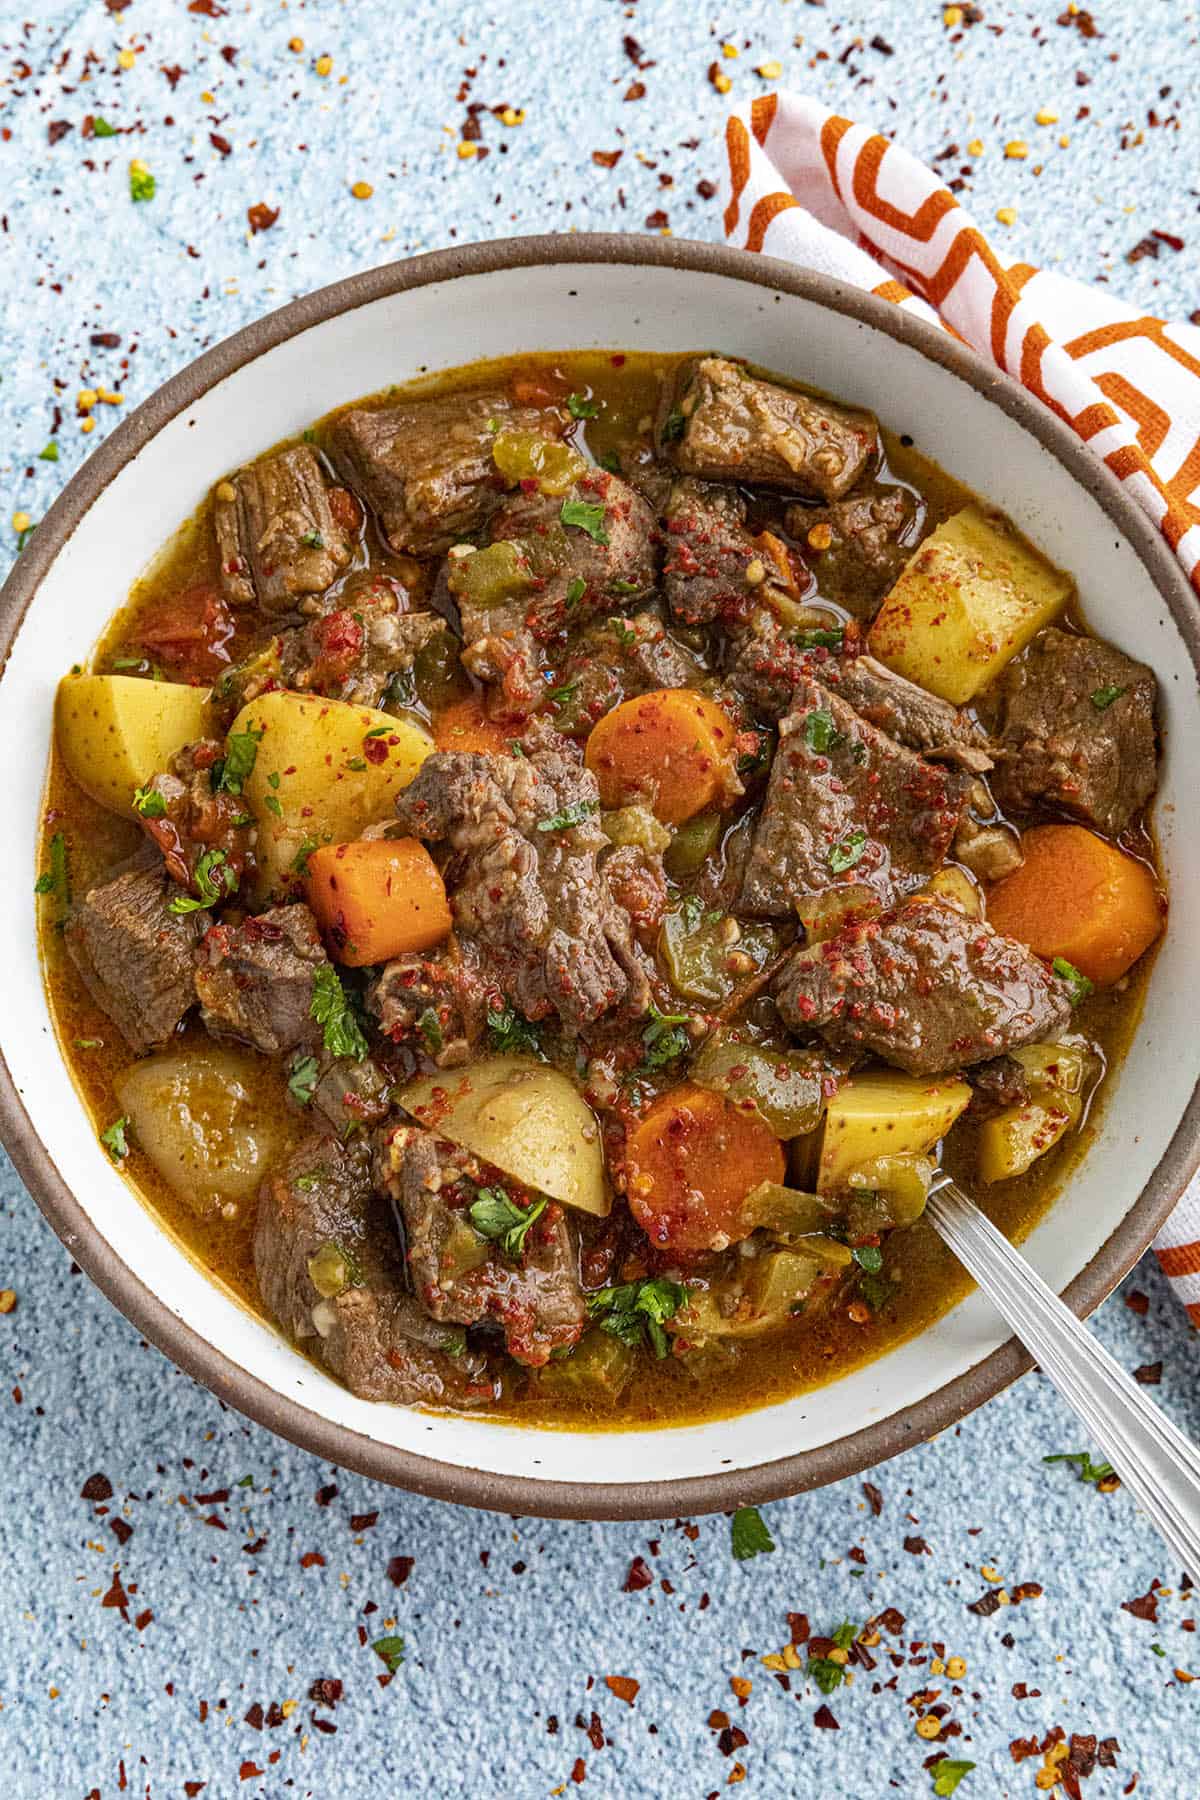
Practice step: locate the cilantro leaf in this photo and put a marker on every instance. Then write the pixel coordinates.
(115, 1139)
(673, 426)
(948, 1773)
(1103, 697)
(50, 453)
(818, 638)
(843, 1637)
(575, 591)
(560, 695)
(56, 879)
(302, 1080)
(300, 860)
(430, 1027)
(843, 856)
(876, 1290)
(749, 1536)
(571, 815)
(214, 880)
(312, 540)
(1087, 1470)
(610, 461)
(333, 1012)
(868, 1257)
(664, 1038)
(390, 1651)
(148, 803)
(241, 754)
(579, 408)
(827, 1674)
(637, 1311)
(498, 1218)
(510, 1032)
(1078, 985)
(587, 516)
(101, 128)
(820, 733)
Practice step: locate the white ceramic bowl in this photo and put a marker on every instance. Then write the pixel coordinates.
(579, 293)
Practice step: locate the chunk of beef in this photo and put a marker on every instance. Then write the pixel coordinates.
(908, 713)
(998, 1084)
(435, 1000)
(763, 663)
(461, 1276)
(349, 1094)
(924, 987)
(590, 551)
(1076, 731)
(204, 832)
(858, 546)
(364, 650)
(847, 805)
(709, 555)
(426, 466)
(276, 532)
(726, 425)
(317, 1215)
(255, 980)
(526, 885)
(135, 954)
(612, 660)
(637, 881)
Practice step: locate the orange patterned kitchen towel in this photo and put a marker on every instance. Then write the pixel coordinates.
(807, 185)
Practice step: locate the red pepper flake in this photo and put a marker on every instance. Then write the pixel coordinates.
(117, 1598)
(824, 1720)
(57, 128)
(1026, 1590)
(96, 1487)
(229, 53)
(732, 1738)
(623, 1686)
(324, 1495)
(579, 1772)
(1144, 1606)
(639, 1576)
(325, 1691)
(208, 8)
(218, 1497)
(312, 1559)
(174, 74)
(635, 91)
(143, 1619)
(399, 1569)
(261, 216)
(916, 1546)
(986, 1604)
(363, 1521)
(607, 159)
(121, 1529)
(657, 220)
(220, 143)
(1137, 1302)
(192, 1788)
(248, 1770)
(798, 1627)
(1150, 1374)
(254, 1717)
(874, 1497)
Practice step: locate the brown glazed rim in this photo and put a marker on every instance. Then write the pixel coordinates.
(427, 1475)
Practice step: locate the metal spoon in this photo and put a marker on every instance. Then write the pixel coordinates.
(1159, 1466)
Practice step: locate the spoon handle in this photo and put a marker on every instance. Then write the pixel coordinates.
(1154, 1459)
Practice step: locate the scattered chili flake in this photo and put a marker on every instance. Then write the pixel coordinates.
(607, 159)
(656, 220)
(325, 1691)
(916, 1546)
(1149, 1374)
(399, 1569)
(623, 1686)
(579, 1771)
(1144, 1606)
(312, 1559)
(874, 1497)
(635, 91)
(324, 1495)
(220, 143)
(824, 1720)
(261, 216)
(8, 1300)
(639, 1576)
(1137, 1302)
(363, 1521)
(248, 1770)
(706, 189)
(96, 1487)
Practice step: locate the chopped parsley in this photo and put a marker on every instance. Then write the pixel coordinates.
(246, 1481)
(1087, 1470)
(610, 461)
(622, 587)
(312, 540)
(876, 1289)
(868, 1257)
(587, 516)
(115, 1139)
(579, 408)
(1103, 697)
(271, 802)
(827, 1671)
(56, 879)
(148, 803)
(560, 695)
(498, 1218)
(673, 426)
(102, 128)
(572, 815)
(390, 1651)
(576, 590)
(300, 860)
(625, 634)
(357, 763)
(141, 183)
(1078, 985)
(241, 754)
(664, 1038)
(214, 880)
(332, 1010)
(948, 1773)
(303, 1080)
(636, 1311)
(843, 856)
(820, 733)
(748, 1534)
(818, 638)
(509, 1032)
(50, 453)
(694, 913)
(430, 1027)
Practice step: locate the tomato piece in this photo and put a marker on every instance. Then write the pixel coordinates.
(190, 633)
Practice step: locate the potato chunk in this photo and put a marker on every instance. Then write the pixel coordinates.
(323, 771)
(971, 596)
(885, 1113)
(116, 731)
(201, 1118)
(1015, 1138)
(524, 1117)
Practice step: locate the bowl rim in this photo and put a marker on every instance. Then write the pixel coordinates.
(428, 1475)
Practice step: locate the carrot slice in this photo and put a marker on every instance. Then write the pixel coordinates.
(672, 747)
(1077, 896)
(377, 898)
(463, 725)
(690, 1163)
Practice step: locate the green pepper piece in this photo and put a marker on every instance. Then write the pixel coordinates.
(490, 577)
(525, 456)
(784, 1086)
(598, 1369)
(692, 844)
(696, 955)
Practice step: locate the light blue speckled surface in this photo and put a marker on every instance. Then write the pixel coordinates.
(510, 1623)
